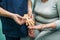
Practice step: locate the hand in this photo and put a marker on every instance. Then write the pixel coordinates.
(18, 19)
(31, 15)
(37, 27)
(29, 21)
(31, 33)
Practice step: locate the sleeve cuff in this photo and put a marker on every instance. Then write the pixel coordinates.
(58, 24)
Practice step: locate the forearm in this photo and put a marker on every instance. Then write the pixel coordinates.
(29, 7)
(5, 13)
(49, 25)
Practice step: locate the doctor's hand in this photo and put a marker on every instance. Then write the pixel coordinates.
(29, 20)
(18, 19)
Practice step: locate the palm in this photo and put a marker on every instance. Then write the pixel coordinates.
(18, 19)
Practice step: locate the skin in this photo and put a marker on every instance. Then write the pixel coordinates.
(43, 26)
(30, 16)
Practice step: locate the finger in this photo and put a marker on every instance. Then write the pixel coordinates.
(27, 23)
(31, 23)
(19, 16)
(31, 20)
(30, 33)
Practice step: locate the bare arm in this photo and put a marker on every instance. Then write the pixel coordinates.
(5, 13)
(29, 7)
(17, 18)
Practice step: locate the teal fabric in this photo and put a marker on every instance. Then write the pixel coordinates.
(32, 3)
(2, 37)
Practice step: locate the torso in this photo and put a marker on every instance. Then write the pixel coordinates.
(10, 27)
(15, 6)
(46, 12)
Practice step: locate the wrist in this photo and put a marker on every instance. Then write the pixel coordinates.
(11, 15)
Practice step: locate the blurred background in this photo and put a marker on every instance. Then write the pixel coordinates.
(2, 37)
